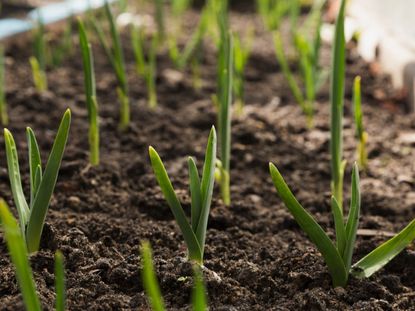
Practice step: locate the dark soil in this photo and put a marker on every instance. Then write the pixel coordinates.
(257, 258)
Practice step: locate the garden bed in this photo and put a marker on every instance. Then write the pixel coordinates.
(256, 257)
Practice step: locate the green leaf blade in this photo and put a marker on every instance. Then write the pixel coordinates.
(195, 252)
(208, 180)
(195, 192)
(353, 218)
(34, 162)
(149, 279)
(47, 185)
(337, 100)
(15, 180)
(18, 254)
(312, 228)
(384, 253)
(60, 303)
(339, 225)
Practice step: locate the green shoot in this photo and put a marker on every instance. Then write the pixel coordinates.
(295, 89)
(149, 279)
(18, 254)
(336, 99)
(272, 12)
(38, 61)
(361, 134)
(4, 118)
(19, 257)
(146, 66)
(201, 192)
(225, 88)
(199, 291)
(116, 57)
(90, 92)
(179, 7)
(338, 256)
(39, 76)
(181, 59)
(308, 54)
(242, 52)
(41, 184)
(137, 40)
(152, 287)
(384, 253)
(60, 282)
(159, 17)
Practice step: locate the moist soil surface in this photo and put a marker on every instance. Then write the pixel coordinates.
(256, 257)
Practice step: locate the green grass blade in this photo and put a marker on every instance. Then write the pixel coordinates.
(4, 118)
(19, 257)
(15, 180)
(225, 113)
(339, 225)
(199, 291)
(195, 41)
(353, 218)
(39, 76)
(195, 252)
(159, 15)
(384, 253)
(60, 304)
(47, 185)
(34, 163)
(282, 60)
(117, 49)
(312, 228)
(336, 99)
(88, 66)
(90, 91)
(357, 100)
(103, 41)
(208, 180)
(137, 39)
(195, 192)
(149, 279)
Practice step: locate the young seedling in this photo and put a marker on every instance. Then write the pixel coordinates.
(159, 17)
(201, 192)
(311, 75)
(32, 216)
(4, 118)
(91, 96)
(152, 288)
(178, 8)
(149, 277)
(272, 12)
(361, 134)
(336, 102)
(181, 59)
(225, 88)
(242, 52)
(60, 301)
(38, 61)
(338, 256)
(19, 257)
(116, 57)
(146, 66)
